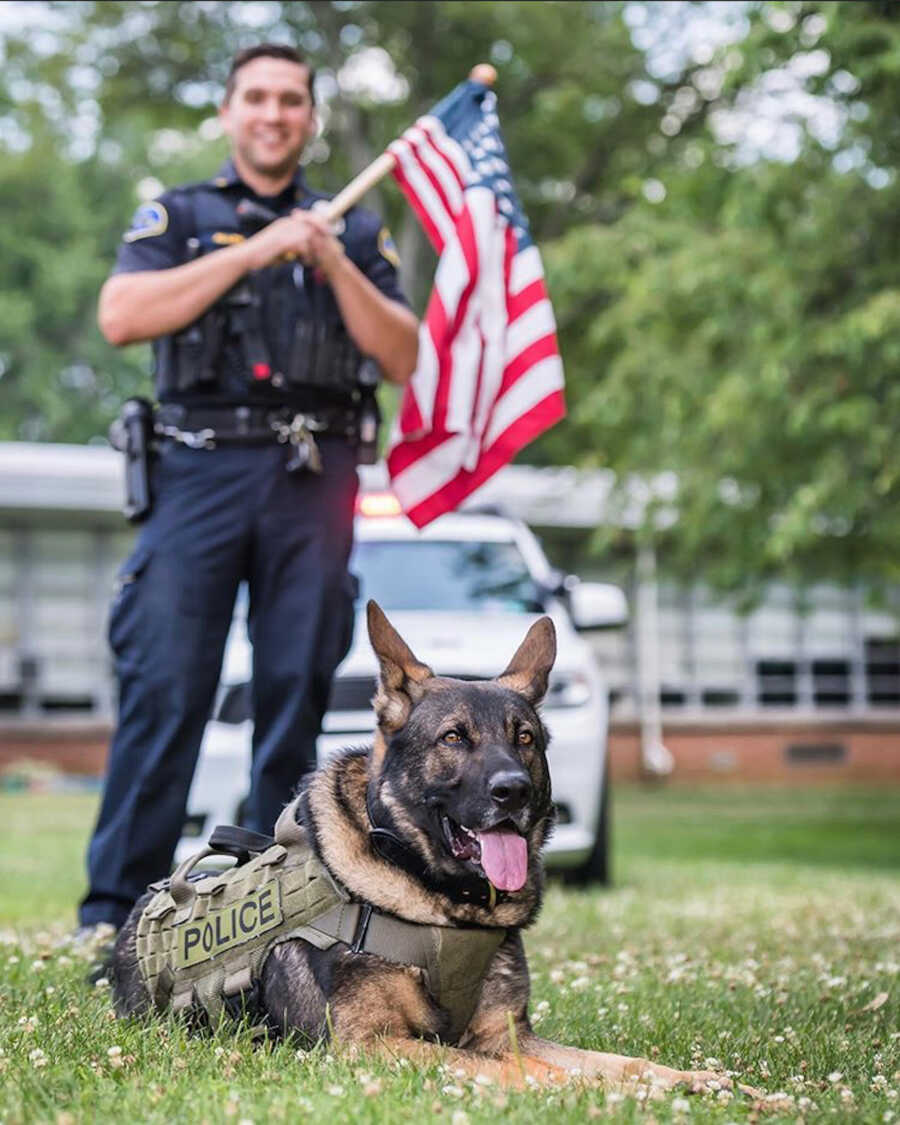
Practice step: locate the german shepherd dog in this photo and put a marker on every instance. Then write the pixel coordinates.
(458, 778)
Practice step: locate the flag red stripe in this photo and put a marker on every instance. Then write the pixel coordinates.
(543, 348)
(411, 420)
(443, 343)
(406, 453)
(445, 159)
(542, 415)
(435, 182)
(521, 302)
(436, 135)
(434, 235)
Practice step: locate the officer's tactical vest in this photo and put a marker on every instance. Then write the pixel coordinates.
(202, 942)
(254, 337)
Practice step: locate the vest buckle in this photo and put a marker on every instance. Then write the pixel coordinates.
(362, 927)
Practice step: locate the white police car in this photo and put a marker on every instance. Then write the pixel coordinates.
(462, 593)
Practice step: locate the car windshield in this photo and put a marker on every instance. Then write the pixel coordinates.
(436, 575)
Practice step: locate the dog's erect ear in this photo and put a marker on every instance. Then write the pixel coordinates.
(402, 676)
(529, 669)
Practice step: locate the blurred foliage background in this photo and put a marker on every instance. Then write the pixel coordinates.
(713, 187)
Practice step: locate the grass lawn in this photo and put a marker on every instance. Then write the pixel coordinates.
(756, 927)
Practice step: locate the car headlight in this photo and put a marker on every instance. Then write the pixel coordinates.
(568, 689)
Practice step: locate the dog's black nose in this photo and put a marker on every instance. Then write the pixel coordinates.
(510, 789)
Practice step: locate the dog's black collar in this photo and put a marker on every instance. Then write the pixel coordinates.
(471, 889)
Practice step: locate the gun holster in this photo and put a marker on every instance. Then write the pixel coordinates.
(132, 434)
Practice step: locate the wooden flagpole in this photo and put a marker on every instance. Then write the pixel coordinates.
(380, 167)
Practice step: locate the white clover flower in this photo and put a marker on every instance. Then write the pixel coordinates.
(460, 1117)
(452, 1091)
(336, 1091)
(37, 1058)
(835, 1077)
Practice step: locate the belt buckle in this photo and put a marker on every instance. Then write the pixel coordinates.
(193, 439)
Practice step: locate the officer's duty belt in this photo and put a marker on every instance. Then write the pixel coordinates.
(205, 427)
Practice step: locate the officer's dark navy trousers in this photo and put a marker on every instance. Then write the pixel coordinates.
(220, 516)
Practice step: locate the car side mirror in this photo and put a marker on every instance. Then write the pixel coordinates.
(596, 605)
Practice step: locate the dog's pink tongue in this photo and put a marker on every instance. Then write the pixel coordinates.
(504, 857)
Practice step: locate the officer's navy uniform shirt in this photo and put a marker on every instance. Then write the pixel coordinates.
(158, 239)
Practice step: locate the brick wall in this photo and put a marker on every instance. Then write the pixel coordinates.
(782, 750)
(857, 750)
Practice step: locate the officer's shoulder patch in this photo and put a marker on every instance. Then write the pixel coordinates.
(387, 247)
(149, 219)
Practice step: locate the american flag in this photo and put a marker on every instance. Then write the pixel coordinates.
(489, 377)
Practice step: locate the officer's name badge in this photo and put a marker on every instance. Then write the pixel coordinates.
(201, 939)
(226, 238)
(149, 219)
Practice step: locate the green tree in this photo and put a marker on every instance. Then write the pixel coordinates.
(728, 312)
(142, 83)
(742, 332)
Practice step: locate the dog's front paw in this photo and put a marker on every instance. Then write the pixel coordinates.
(709, 1082)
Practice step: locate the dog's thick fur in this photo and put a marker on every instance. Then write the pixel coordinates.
(439, 749)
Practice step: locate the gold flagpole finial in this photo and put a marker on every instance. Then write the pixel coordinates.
(483, 73)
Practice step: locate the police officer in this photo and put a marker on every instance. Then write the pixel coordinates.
(261, 316)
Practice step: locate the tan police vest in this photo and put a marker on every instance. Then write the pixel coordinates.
(202, 941)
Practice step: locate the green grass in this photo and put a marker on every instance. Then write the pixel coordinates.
(753, 926)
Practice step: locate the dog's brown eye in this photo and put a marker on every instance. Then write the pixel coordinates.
(452, 737)
(526, 737)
